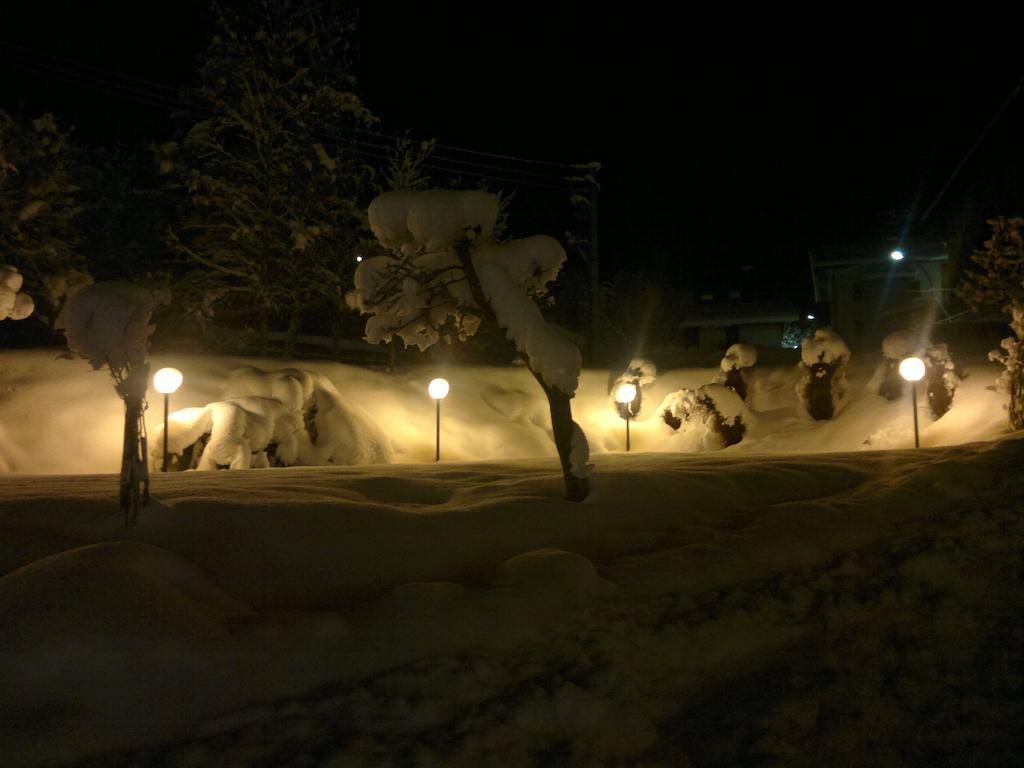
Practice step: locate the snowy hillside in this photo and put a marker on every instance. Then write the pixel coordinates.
(733, 607)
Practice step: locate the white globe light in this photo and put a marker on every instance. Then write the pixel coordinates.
(167, 380)
(626, 393)
(896, 255)
(912, 369)
(438, 388)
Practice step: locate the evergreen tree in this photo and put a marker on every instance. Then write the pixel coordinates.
(998, 281)
(272, 220)
(38, 201)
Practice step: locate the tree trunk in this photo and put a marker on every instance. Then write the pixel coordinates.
(576, 488)
(134, 467)
(292, 335)
(264, 316)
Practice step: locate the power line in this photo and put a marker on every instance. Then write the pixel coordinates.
(82, 65)
(434, 161)
(956, 171)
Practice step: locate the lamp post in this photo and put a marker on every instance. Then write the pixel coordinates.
(438, 389)
(625, 395)
(912, 369)
(166, 381)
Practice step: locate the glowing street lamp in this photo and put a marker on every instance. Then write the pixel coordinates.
(438, 389)
(166, 381)
(896, 255)
(912, 369)
(625, 395)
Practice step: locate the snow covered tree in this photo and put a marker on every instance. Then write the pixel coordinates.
(823, 358)
(1011, 356)
(998, 281)
(737, 357)
(272, 219)
(107, 324)
(13, 303)
(444, 273)
(38, 203)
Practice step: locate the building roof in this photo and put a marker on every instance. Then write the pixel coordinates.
(723, 315)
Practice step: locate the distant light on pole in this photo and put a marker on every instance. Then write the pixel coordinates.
(166, 381)
(810, 317)
(358, 259)
(912, 369)
(896, 255)
(625, 395)
(438, 389)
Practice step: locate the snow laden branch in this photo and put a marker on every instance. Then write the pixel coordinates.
(13, 303)
(444, 274)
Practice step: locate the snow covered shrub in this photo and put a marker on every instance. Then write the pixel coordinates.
(444, 268)
(108, 325)
(336, 431)
(823, 358)
(941, 378)
(13, 303)
(641, 373)
(273, 418)
(241, 433)
(1011, 357)
(714, 407)
(737, 357)
(895, 347)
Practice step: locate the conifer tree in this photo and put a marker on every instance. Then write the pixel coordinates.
(271, 220)
(998, 281)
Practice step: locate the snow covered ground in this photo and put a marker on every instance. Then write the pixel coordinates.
(795, 599)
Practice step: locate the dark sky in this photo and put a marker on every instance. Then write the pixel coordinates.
(723, 141)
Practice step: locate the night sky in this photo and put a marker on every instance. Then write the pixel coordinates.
(721, 145)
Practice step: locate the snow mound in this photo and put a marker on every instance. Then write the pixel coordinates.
(110, 618)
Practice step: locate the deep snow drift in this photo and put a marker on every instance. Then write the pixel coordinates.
(58, 416)
(730, 607)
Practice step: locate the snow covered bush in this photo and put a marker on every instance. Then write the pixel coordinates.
(108, 325)
(273, 418)
(1011, 380)
(736, 358)
(243, 433)
(823, 358)
(941, 378)
(715, 408)
(13, 303)
(641, 373)
(444, 273)
(895, 347)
